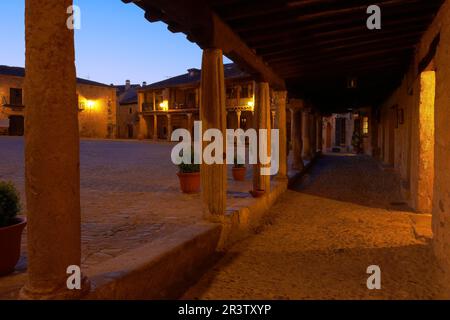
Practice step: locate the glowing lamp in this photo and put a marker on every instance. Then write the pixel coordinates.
(164, 105)
(90, 104)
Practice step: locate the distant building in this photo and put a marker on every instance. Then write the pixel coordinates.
(174, 103)
(342, 131)
(128, 110)
(97, 105)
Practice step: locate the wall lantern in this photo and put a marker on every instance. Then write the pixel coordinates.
(164, 105)
(90, 104)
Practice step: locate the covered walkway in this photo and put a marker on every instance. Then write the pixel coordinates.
(341, 218)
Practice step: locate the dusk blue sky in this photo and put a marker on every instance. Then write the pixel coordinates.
(115, 43)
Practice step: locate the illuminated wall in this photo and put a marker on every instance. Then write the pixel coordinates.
(96, 120)
(98, 111)
(415, 140)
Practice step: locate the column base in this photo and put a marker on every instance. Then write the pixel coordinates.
(63, 293)
(280, 177)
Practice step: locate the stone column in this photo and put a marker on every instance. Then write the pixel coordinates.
(238, 114)
(169, 127)
(262, 117)
(189, 123)
(313, 134)
(297, 139)
(213, 116)
(155, 127)
(51, 152)
(280, 123)
(143, 126)
(306, 133)
(273, 117)
(320, 134)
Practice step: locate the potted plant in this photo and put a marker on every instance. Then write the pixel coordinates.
(189, 176)
(357, 142)
(11, 227)
(238, 170)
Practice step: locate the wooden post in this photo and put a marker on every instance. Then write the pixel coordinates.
(190, 124)
(51, 152)
(143, 126)
(238, 114)
(262, 117)
(169, 127)
(280, 101)
(155, 127)
(213, 116)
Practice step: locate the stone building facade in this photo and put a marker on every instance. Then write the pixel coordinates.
(128, 110)
(339, 131)
(174, 103)
(413, 135)
(97, 105)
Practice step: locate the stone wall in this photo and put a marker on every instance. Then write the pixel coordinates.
(127, 115)
(99, 118)
(412, 141)
(99, 107)
(7, 82)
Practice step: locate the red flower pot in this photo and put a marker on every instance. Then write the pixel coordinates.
(239, 173)
(10, 241)
(189, 182)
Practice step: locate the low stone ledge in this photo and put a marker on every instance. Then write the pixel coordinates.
(162, 269)
(240, 222)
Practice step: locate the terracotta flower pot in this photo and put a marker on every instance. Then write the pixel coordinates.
(10, 241)
(189, 182)
(239, 173)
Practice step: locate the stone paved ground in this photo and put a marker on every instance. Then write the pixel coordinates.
(129, 194)
(343, 217)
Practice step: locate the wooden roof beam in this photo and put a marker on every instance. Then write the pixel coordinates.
(204, 27)
(275, 38)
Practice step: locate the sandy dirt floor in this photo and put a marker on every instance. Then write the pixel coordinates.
(344, 216)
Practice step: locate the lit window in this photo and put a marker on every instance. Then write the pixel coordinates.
(365, 125)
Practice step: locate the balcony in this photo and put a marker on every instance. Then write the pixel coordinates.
(14, 105)
(147, 107)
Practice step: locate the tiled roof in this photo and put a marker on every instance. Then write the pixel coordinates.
(193, 76)
(127, 96)
(20, 72)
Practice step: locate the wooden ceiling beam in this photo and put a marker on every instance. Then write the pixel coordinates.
(333, 30)
(328, 66)
(204, 27)
(332, 12)
(340, 50)
(338, 43)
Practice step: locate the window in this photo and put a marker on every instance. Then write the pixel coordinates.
(365, 126)
(246, 90)
(231, 93)
(15, 97)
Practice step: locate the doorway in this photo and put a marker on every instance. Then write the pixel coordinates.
(16, 126)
